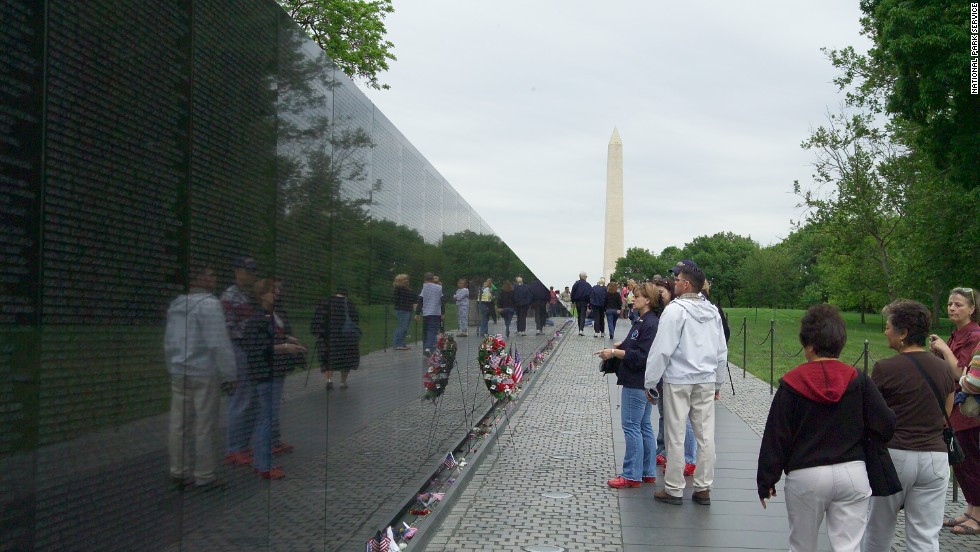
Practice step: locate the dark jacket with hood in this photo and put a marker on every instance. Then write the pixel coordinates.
(632, 369)
(817, 418)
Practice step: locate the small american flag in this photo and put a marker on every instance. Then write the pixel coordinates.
(518, 368)
(450, 461)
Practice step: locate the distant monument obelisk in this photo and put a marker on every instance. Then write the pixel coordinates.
(614, 248)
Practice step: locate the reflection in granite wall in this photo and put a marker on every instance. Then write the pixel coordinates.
(140, 143)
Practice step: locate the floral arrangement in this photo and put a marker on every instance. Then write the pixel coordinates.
(439, 365)
(497, 367)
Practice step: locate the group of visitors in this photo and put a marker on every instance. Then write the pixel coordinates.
(822, 418)
(605, 304)
(674, 355)
(246, 340)
(825, 411)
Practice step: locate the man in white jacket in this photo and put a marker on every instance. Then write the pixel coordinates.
(198, 353)
(690, 354)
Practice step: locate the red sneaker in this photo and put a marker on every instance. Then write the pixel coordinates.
(238, 458)
(661, 460)
(274, 473)
(649, 479)
(282, 448)
(621, 483)
(689, 469)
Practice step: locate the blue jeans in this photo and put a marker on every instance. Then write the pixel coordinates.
(508, 314)
(278, 386)
(404, 318)
(241, 406)
(484, 318)
(262, 455)
(640, 459)
(611, 317)
(430, 330)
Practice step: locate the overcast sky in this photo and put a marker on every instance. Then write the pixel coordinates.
(514, 103)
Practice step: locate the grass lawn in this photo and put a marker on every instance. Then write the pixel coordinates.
(786, 353)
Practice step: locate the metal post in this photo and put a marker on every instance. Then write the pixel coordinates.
(745, 341)
(866, 355)
(772, 352)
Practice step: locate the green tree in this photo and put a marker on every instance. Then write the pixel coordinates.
(768, 277)
(639, 264)
(720, 256)
(351, 32)
(924, 49)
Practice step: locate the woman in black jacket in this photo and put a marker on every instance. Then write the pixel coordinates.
(337, 343)
(815, 433)
(639, 462)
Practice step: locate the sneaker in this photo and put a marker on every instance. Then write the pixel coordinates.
(689, 469)
(702, 497)
(537, 332)
(274, 473)
(662, 496)
(282, 448)
(213, 485)
(427, 352)
(649, 479)
(581, 333)
(661, 460)
(239, 458)
(602, 334)
(402, 348)
(622, 483)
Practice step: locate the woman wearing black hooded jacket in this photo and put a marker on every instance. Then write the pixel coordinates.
(815, 434)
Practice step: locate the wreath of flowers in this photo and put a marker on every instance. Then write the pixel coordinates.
(439, 365)
(497, 368)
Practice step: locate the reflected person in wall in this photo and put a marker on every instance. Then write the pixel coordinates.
(238, 307)
(262, 352)
(485, 304)
(198, 355)
(338, 348)
(506, 302)
(539, 306)
(404, 302)
(431, 308)
(521, 303)
(285, 363)
(462, 297)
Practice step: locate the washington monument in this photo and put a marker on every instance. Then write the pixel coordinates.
(614, 247)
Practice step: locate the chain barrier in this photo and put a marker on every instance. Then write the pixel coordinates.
(765, 339)
(740, 330)
(784, 353)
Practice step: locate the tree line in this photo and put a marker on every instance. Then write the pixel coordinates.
(892, 210)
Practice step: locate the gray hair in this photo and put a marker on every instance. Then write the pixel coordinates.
(582, 275)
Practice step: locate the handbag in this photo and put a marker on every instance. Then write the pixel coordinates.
(882, 475)
(953, 449)
(350, 329)
(610, 365)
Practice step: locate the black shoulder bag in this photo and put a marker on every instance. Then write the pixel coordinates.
(882, 475)
(956, 454)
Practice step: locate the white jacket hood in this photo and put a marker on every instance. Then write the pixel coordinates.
(196, 342)
(690, 345)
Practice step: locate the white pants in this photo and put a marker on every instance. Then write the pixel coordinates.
(696, 401)
(841, 493)
(924, 477)
(194, 405)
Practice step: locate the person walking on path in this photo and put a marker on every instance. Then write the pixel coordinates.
(199, 355)
(486, 306)
(613, 307)
(580, 296)
(597, 302)
(820, 417)
(462, 297)
(522, 302)
(639, 462)
(690, 354)
(962, 310)
(917, 445)
(404, 302)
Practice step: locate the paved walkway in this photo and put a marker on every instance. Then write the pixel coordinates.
(565, 438)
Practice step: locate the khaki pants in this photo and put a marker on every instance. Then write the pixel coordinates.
(696, 401)
(193, 418)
